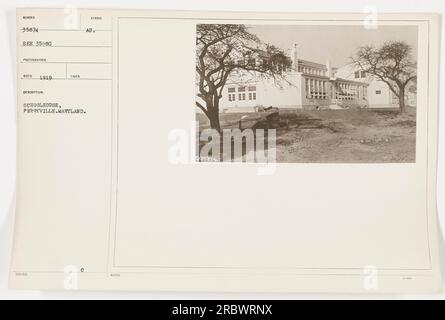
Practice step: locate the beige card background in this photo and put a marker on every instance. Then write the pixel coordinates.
(96, 191)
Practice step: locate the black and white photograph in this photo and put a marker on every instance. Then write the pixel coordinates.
(331, 93)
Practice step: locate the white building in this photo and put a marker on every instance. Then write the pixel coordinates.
(308, 85)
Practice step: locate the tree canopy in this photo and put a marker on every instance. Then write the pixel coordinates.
(222, 50)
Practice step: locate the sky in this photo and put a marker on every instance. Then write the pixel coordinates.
(337, 43)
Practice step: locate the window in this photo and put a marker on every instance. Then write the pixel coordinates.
(242, 96)
(324, 90)
(232, 96)
(363, 74)
(378, 92)
(316, 89)
(252, 92)
(357, 74)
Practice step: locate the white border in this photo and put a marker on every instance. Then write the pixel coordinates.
(7, 124)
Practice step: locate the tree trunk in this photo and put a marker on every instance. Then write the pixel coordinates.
(214, 119)
(213, 113)
(402, 99)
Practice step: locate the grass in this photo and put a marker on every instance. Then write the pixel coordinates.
(338, 136)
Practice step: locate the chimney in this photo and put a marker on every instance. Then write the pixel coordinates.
(329, 67)
(295, 57)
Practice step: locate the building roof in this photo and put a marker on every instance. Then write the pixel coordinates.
(312, 64)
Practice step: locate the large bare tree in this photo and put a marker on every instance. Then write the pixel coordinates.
(391, 63)
(222, 50)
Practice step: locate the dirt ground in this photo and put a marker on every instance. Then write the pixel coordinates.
(339, 136)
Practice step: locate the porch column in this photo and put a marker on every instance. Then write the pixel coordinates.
(310, 88)
(317, 88)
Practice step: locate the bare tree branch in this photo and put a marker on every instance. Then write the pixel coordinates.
(391, 63)
(223, 50)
